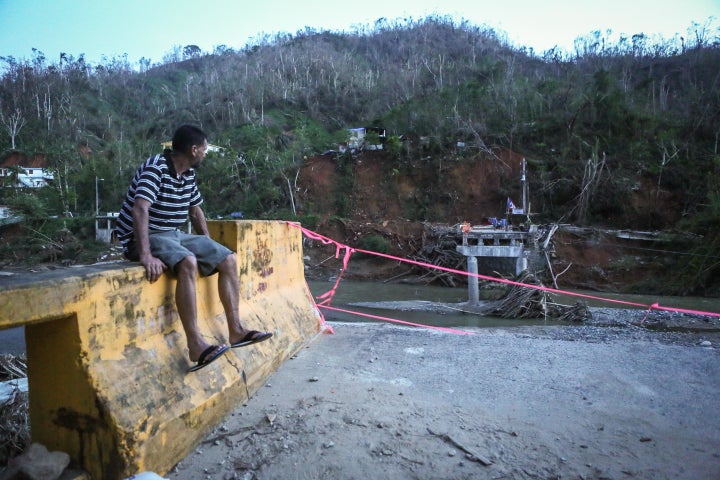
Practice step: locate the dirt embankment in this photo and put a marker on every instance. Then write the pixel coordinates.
(373, 188)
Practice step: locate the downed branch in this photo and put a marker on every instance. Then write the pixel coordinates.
(473, 454)
(524, 302)
(14, 418)
(439, 257)
(438, 249)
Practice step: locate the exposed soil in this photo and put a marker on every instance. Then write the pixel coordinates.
(376, 190)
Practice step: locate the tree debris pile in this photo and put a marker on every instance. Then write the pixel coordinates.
(524, 302)
(14, 418)
(415, 241)
(438, 249)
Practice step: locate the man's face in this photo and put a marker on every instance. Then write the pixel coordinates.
(198, 153)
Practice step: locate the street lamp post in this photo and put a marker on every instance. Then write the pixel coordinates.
(97, 198)
(97, 205)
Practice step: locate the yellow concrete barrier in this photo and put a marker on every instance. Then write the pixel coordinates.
(107, 357)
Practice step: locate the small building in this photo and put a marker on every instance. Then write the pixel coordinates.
(20, 171)
(358, 138)
(105, 227)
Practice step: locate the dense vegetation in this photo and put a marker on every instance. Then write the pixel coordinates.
(593, 125)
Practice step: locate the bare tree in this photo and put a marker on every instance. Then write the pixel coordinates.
(13, 123)
(591, 179)
(668, 154)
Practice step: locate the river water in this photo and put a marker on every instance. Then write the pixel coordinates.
(350, 293)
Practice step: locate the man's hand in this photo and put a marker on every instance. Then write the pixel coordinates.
(154, 267)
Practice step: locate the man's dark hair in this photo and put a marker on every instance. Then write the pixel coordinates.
(186, 136)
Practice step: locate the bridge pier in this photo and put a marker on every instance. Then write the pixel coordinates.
(473, 288)
(502, 245)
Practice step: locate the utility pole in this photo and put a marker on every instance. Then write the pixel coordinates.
(523, 181)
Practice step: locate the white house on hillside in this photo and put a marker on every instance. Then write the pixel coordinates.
(358, 139)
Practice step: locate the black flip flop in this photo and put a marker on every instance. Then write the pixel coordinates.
(253, 336)
(206, 358)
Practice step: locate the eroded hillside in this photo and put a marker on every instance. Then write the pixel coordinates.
(372, 187)
(369, 195)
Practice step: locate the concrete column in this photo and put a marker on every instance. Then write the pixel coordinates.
(521, 264)
(473, 290)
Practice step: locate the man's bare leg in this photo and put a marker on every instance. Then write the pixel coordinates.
(229, 292)
(186, 302)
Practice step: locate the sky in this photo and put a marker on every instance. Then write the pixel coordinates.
(150, 29)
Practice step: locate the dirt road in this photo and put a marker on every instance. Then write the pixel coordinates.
(380, 401)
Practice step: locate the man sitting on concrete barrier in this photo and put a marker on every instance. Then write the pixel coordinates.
(162, 195)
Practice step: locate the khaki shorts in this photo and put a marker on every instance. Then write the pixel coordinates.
(173, 246)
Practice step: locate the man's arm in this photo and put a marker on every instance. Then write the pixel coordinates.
(154, 267)
(198, 221)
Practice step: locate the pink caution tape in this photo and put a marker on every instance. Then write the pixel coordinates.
(394, 320)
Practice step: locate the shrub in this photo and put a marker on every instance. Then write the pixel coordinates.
(374, 243)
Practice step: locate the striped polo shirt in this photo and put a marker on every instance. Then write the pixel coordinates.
(170, 197)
